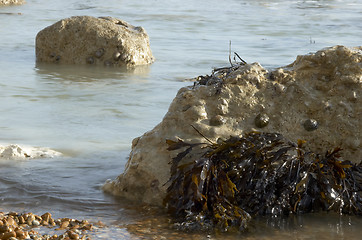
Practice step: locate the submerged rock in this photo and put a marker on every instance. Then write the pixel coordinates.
(324, 86)
(89, 40)
(11, 2)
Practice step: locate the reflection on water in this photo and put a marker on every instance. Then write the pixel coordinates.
(150, 222)
(88, 73)
(91, 114)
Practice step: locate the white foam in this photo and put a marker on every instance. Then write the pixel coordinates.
(15, 151)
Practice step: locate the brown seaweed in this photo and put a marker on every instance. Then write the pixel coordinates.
(258, 174)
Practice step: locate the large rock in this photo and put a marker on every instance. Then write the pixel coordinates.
(11, 2)
(317, 98)
(90, 40)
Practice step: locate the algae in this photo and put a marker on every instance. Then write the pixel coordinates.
(258, 174)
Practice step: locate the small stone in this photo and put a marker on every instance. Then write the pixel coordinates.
(13, 214)
(87, 227)
(44, 223)
(100, 224)
(76, 226)
(261, 120)
(217, 120)
(51, 222)
(20, 234)
(11, 221)
(30, 219)
(310, 124)
(46, 217)
(64, 224)
(4, 228)
(35, 223)
(21, 220)
(73, 235)
(99, 53)
(8, 235)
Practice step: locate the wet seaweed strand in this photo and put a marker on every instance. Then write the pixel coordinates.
(258, 174)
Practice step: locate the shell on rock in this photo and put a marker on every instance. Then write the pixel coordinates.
(217, 120)
(99, 53)
(310, 124)
(90, 60)
(116, 56)
(261, 120)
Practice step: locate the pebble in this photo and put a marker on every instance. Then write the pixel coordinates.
(73, 235)
(21, 220)
(7, 235)
(35, 223)
(46, 217)
(14, 226)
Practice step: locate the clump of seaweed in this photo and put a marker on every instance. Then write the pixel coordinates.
(219, 73)
(258, 174)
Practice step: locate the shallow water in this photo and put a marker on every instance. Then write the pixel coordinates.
(91, 115)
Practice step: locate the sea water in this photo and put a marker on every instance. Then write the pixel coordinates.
(91, 114)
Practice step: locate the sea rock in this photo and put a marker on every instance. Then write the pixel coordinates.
(317, 98)
(11, 2)
(15, 151)
(95, 41)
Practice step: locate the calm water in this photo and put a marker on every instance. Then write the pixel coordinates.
(91, 115)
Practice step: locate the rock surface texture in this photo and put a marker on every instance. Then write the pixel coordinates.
(89, 40)
(317, 98)
(11, 2)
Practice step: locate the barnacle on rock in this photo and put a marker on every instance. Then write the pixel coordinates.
(258, 174)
